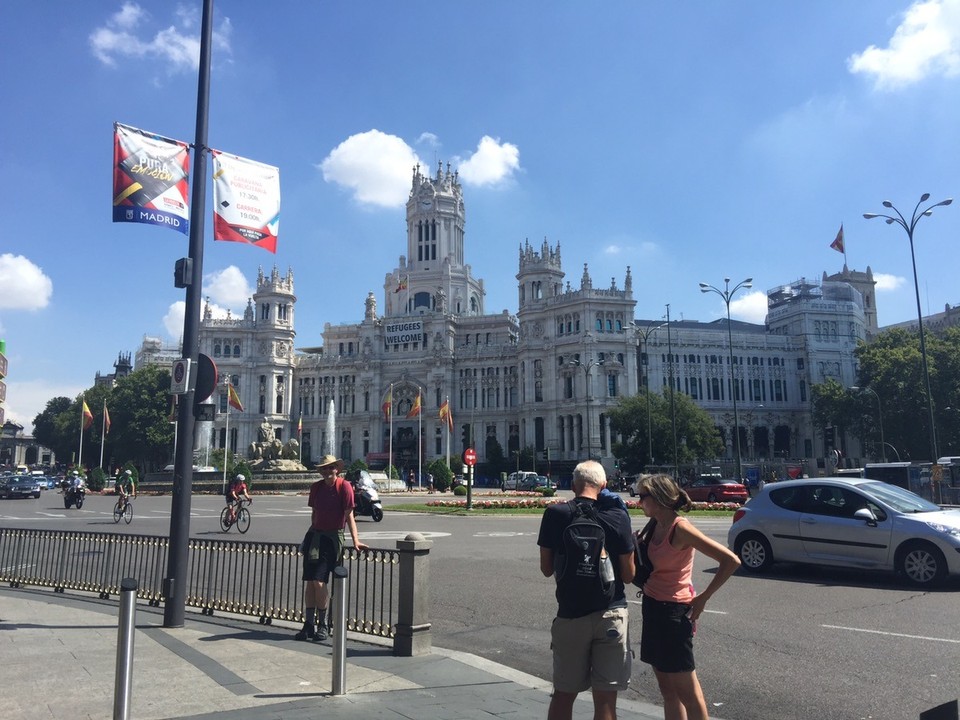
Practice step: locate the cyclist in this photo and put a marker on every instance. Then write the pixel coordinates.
(125, 488)
(236, 490)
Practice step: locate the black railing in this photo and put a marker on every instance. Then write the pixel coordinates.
(248, 578)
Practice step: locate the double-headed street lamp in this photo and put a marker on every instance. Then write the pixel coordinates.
(883, 445)
(900, 220)
(727, 295)
(645, 336)
(586, 367)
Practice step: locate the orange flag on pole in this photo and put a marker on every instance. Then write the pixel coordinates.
(445, 414)
(233, 400)
(415, 410)
(87, 416)
(106, 419)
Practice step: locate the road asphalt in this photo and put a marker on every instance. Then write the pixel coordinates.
(58, 652)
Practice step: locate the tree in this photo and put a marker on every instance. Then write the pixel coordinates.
(46, 428)
(496, 462)
(442, 475)
(697, 436)
(892, 367)
(835, 406)
(138, 407)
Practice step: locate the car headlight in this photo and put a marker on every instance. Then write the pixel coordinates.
(945, 529)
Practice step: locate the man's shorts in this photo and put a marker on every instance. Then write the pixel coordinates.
(319, 570)
(666, 641)
(592, 651)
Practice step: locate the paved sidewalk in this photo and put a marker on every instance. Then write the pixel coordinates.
(58, 656)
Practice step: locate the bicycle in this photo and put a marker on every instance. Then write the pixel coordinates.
(123, 509)
(241, 518)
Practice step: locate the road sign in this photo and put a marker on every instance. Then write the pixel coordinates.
(180, 376)
(470, 457)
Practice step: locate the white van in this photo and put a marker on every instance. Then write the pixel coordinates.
(520, 480)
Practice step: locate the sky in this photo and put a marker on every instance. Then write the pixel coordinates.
(689, 141)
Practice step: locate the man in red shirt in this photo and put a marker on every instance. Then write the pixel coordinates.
(331, 501)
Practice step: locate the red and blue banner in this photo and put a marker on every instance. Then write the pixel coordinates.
(151, 178)
(246, 201)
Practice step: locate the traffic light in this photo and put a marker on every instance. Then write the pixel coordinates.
(829, 437)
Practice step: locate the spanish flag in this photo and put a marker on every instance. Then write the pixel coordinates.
(87, 416)
(233, 400)
(446, 415)
(300, 425)
(106, 419)
(402, 283)
(387, 404)
(415, 410)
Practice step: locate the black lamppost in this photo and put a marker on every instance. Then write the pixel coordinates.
(900, 220)
(727, 295)
(587, 367)
(673, 407)
(645, 336)
(883, 445)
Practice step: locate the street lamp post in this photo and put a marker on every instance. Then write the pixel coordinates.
(587, 367)
(673, 407)
(645, 336)
(883, 445)
(909, 227)
(727, 295)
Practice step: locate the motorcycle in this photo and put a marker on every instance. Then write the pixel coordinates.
(367, 498)
(74, 495)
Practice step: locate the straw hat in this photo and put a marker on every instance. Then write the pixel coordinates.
(329, 460)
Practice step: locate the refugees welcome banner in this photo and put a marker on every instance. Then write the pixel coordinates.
(246, 201)
(151, 175)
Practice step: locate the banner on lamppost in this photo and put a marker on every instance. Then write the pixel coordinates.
(151, 176)
(246, 201)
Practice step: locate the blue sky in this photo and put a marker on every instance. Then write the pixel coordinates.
(690, 141)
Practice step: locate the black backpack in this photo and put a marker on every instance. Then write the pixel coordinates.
(582, 567)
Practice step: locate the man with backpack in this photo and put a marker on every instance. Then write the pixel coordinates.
(331, 502)
(588, 547)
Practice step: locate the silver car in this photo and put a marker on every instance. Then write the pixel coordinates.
(847, 522)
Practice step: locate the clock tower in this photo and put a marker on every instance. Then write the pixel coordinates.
(433, 276)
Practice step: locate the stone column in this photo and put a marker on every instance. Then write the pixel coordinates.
(413, 622)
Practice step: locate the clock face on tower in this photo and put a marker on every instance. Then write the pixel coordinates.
(426, 204)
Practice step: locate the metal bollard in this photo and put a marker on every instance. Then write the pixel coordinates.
(339, 683)
(124, 675)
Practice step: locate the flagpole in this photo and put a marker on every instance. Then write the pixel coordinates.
(226, 442)
(300, 437)
(103, 427)
(390, 446)
(446, 424)
(420, 440)
(82, 419)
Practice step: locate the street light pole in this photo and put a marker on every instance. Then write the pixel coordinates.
(645, 335)
(727, 295)
(586, 367)
(883, 446)
(909, 228)
(673, 407)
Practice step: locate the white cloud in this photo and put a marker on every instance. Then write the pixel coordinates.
(886, 283)
(374, 165)
(751, 307)
(125, 35)
(926, 43)
(228, 287)
(23, 286)
(173, 320)
(493, 163)
(27, 399)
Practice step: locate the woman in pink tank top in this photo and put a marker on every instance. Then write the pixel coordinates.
(671, 605)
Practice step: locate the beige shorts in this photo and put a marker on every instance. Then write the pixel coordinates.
(592, 651)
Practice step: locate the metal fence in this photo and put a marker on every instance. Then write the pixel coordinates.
(261, 580)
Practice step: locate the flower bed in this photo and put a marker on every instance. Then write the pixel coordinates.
(534, 500)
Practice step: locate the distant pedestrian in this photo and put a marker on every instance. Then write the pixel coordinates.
(411, 480)
(671, 606)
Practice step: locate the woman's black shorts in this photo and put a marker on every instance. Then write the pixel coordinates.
(666, 641)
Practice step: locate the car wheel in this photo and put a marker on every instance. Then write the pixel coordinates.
(921, 563)
(711, 498)
(754, 552)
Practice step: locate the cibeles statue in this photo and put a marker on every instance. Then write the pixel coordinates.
(268, 453)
